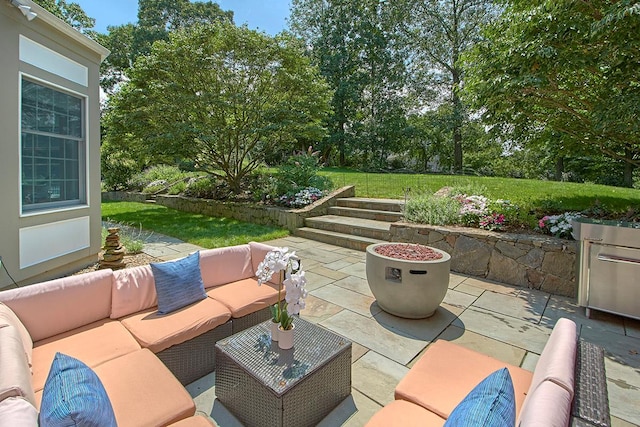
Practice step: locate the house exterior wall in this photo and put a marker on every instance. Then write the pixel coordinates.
(44, 243)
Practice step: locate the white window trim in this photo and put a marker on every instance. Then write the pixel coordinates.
(87, 179)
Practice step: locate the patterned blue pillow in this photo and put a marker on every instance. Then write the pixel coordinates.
(492, 403)
(178, 283)
(74, 396)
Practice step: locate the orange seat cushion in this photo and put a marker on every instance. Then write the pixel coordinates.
(158, 332)
(93, 344)
(143, 392)
(404, 414)
(447, 372)
(197, 421)
(245, 296)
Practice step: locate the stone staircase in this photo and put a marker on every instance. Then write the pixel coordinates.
(354, 222)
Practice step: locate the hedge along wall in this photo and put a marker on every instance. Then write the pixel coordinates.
(257, 214)
(536, 262)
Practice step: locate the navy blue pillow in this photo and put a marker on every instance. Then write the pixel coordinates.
(492, 403)
(74, 396)
(178, 283)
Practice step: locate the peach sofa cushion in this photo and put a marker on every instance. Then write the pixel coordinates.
(16, 411)
(158, 332)
(196, 421)
(548, 406)
(405, 414)
(245, 296)
(93, 344)
(134, 290)
(447, 372)
(223, 265)
(51, 308)
(8, 317)
(143, 392)
(15, 376)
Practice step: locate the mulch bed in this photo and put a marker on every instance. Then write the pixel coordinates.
(408, 252)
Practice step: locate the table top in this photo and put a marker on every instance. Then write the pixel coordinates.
(279, 370)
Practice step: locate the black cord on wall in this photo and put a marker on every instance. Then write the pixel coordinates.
(7, 271)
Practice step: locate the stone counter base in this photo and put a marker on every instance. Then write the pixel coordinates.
(536, 262)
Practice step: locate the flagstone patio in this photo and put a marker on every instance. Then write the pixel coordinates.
(506, 322)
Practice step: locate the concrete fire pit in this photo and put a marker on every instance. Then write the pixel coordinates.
(407, 280)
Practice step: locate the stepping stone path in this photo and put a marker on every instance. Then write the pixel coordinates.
(113, 251)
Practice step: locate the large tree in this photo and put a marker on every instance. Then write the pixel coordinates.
(71, 13)
(220, 95)
(356, 46)
(156, 19)
(565, 68)
(439, 32)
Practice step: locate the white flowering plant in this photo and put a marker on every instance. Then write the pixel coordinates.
(558, 225)
(284, 262)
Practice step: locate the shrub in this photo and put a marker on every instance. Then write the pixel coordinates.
(117, 170)
(156, 178)
(301, 171)
(430, 209)
(208, 187)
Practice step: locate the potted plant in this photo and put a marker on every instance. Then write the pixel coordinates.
(408, 280)
(287, 264)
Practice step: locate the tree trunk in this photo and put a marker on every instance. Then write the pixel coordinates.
(457, 123)
(559, 168)
(628, 169)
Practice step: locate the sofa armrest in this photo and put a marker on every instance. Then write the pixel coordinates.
(590, 401)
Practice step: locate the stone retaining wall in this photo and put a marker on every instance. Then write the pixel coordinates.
(257, 214)
(537, 262)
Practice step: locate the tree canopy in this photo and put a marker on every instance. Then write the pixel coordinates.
(569, 69)
(220, 95)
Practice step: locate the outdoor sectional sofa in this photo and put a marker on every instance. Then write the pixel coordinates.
(568, 386)
(109, 320)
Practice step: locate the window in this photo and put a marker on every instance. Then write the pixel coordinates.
(53, 148)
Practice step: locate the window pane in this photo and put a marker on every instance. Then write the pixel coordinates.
(52, 147)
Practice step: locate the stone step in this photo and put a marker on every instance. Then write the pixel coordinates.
(391, 205)
(378, 215)
(358, 243)
(347, 225)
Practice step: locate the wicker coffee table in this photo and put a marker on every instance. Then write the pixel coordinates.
(265, 386)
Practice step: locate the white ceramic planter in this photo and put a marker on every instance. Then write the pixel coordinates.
(410, 289)
(285, 337)
(275, 330)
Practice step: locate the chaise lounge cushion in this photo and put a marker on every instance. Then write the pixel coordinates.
(548, 406)
(94, 344)
(74, 395)
(159, 332)
(134, 290)
(8, 317)
(224, 265)
(178, 283)
(490, 404)
(447, 372)
(404, 414)
(15, 376)
(143, 391)
(51, 308)
(245, 296)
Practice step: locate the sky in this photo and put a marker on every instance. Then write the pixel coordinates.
(263, 15)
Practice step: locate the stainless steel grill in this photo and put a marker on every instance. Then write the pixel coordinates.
(609, 266)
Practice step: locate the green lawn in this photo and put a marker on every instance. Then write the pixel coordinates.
(201, 230)
(528, 193)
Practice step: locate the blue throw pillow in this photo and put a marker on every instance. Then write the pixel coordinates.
(492, 403)
(74, 396)
(178, 283)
